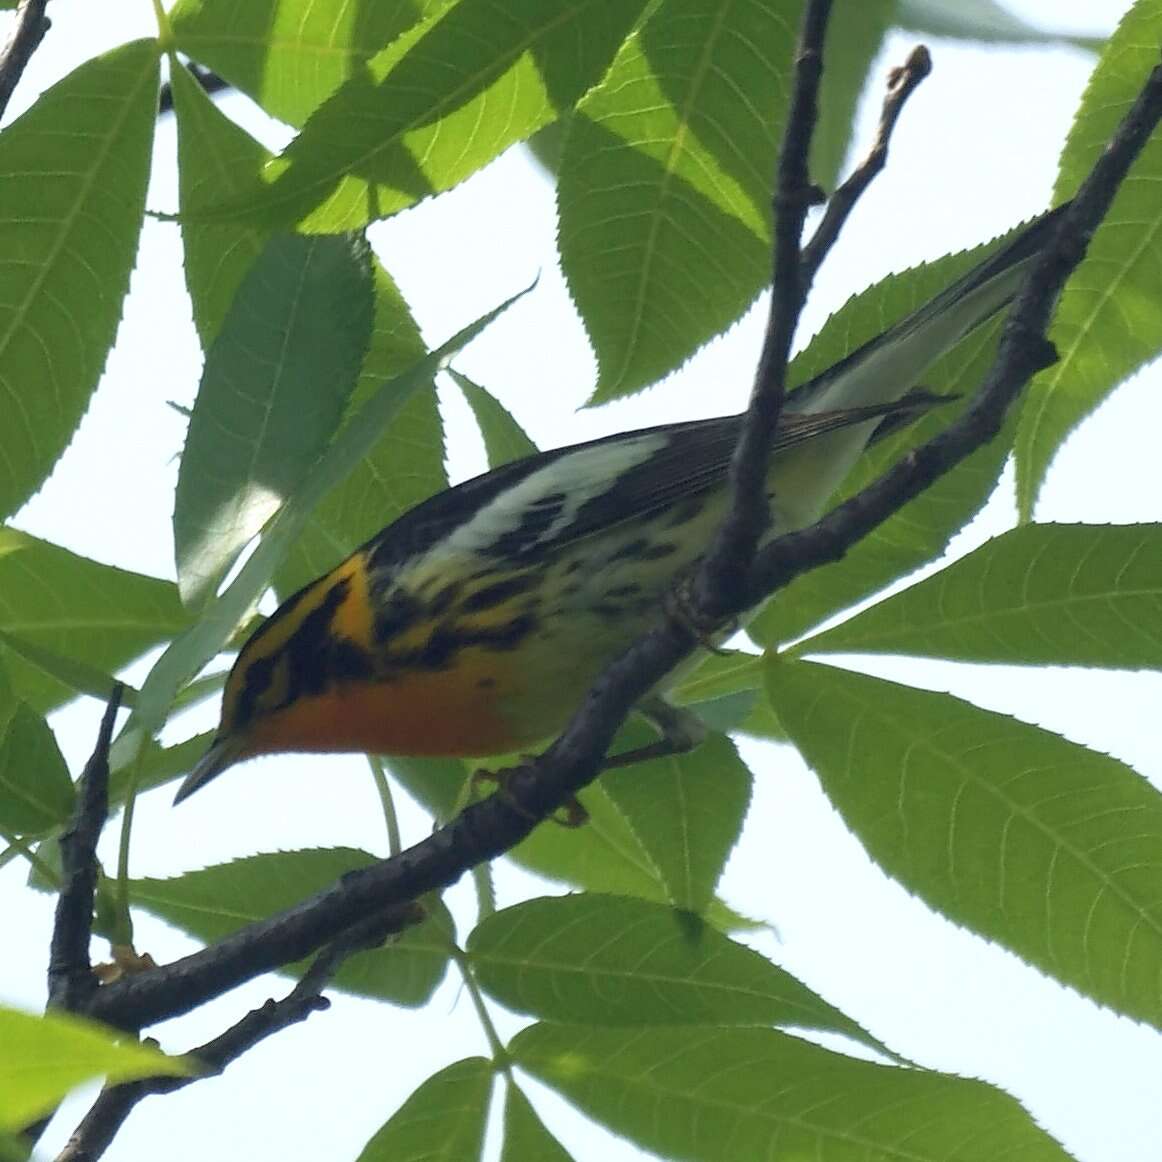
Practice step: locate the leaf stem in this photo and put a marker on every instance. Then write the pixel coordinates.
(387, 802)
(18, 846)
(500, 1057)
(123, 920)
(165, 38)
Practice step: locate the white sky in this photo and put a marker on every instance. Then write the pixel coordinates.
(963, 169)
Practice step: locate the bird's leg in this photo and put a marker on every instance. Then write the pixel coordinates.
(681, 730)
(571, 813)
(679, 606)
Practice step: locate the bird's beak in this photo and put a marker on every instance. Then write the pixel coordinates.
(223, 753)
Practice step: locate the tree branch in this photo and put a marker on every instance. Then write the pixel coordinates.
(105, 1118)
(31, 25)
(718, 584)
(902, 83)
(70, 972)
(1023, 351)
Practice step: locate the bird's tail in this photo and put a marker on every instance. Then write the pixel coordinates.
(890, 366)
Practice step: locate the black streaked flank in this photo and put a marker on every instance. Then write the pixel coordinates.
(642, 549)
(630, 590)
(448, 639)
(395, 614)
(498, 593)
(657, 551)
(442, 602)
(630, 551)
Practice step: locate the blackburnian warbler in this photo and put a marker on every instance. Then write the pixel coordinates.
(474, 624)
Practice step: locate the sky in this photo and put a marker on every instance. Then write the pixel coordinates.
(962, 170)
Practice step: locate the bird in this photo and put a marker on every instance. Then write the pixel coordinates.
(474, 624)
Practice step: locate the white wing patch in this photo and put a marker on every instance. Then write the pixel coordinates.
(577, 476)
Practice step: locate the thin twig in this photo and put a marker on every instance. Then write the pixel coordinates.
(106, 1116)
(31, 25)
(70, 975)
(902, 83)
(718, 582)
(1023, 351)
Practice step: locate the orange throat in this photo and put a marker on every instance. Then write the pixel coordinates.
(449, 712)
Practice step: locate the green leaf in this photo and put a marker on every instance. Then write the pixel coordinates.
(215, 901)
(14, 1149)
(158, 764)
(76, 676)
(979, 21)
(273, 389)
(1052, 595)
(602, 856)
(1051, 849)
(721, 1095)
(290, 55)
(43, 1058)
(422, 116)
(1109, 317)
(687, 812)
(215, 160)
(665, 183)
(405, 466)
(504, 439)
(444, 1118)
(525, 1137)
(438, 784)
(725, 690)
(73, 171)
(188, 653)
(53, 602)
(36, 793)
(610, 960)
(922, 529)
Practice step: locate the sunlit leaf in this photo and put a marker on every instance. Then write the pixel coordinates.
(720, 1095)
(290, 55)
(35, 790)
(687, 812)
(611, 960)
(504, 439)
(405, 466)
(664, 188)
(274, 387)
(979, 21)
(73, 172)
(443, 1119)
(1055, 595)
(43, 1058)
(63, 616)
(1109, 318)
(525, 1137)
(213, 902)
(423, 115)
(1035, 842)
(215, 158)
